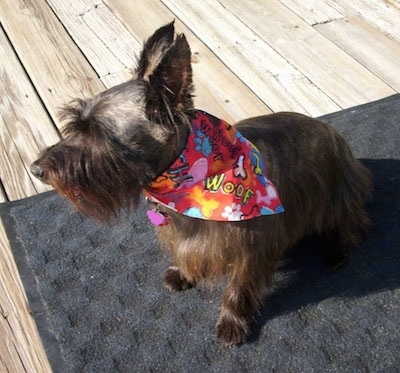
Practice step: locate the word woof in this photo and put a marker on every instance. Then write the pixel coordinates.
(220, 183)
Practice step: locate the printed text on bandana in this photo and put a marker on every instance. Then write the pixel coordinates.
(219, 175)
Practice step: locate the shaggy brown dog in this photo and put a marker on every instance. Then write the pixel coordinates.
(132, 139)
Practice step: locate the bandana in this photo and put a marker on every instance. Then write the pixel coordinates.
(220, 175)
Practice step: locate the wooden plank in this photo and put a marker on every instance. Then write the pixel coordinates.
(384, 15)
(100, 35)
(315, 11)
(342, 78)
(9, 358)
(117, 78)
(21, 349)
(25, 126)
(218, 90)
(374, 50)
(236, 40)
(13, 173)
(3, 196)
(54, 63)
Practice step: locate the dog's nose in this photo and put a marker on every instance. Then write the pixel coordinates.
(37, 171)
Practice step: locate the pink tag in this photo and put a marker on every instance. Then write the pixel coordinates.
(157, 217)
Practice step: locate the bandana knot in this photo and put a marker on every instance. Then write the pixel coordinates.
(220, 175)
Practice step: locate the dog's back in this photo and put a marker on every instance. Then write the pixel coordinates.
(322, 186)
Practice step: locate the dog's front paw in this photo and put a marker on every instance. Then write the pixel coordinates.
(174, 281)
(232, 331)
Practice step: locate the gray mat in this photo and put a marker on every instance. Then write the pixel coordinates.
(96, 293)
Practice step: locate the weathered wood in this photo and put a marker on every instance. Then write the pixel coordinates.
(52, 60)
(338, 75)
(100, 35)
(218, 90)
(377, 52)
(21, 348)
(9, 358)
(315, 11)
(13, 173)
(3, 196)
(117, 78)
(25, 126)
(383, 14)
(245, 47)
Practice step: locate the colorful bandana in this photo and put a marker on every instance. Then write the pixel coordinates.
(220, 176)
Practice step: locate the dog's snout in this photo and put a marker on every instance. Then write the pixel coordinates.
(37, 171)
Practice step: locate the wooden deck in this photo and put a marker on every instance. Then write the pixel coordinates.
(249, 58)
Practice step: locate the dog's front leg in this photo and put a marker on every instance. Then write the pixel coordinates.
(174, 280)
(240, 302)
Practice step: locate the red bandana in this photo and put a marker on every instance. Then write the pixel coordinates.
(220, 176)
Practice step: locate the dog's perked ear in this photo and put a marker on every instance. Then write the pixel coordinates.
(154, 50)
(165, 66)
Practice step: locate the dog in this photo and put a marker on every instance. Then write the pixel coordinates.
(226, 201)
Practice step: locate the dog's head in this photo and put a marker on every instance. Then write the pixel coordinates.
(116, 143)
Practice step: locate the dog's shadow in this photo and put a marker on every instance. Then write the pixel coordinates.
(302, 280)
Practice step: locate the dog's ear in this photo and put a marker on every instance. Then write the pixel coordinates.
(172, 79)
(154, 50)
(165, 65)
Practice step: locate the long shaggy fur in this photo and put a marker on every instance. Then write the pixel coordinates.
(323, 189)
(116, 143)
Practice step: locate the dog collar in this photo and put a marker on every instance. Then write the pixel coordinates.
(220, 175)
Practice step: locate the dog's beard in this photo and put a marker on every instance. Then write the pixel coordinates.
(102, 207)
(98, 190)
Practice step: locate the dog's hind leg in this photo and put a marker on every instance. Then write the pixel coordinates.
(339, 241)
(334, 253)
(348, 222)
